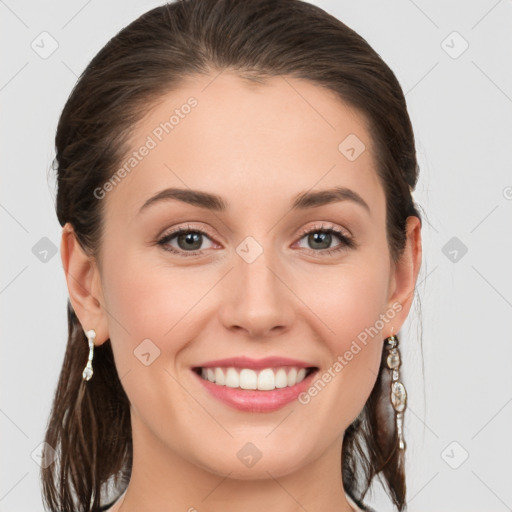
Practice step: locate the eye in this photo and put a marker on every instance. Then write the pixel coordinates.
(321, 238)
(188, 240)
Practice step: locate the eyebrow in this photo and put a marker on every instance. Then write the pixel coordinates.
(304, 200)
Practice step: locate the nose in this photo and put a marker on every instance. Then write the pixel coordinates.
(257, 298)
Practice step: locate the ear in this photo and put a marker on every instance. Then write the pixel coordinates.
(404, 274)
(84, 285)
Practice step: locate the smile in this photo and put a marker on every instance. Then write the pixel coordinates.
(266, 379)
(255, 390)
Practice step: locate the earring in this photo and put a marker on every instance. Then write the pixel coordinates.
(398, 393)
(87, 373)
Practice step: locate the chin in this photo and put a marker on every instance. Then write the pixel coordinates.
(278, 464)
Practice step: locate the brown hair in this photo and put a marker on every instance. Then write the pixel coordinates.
(89, 424)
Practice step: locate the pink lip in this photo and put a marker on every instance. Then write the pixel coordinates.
(255, 364)
(250, 400)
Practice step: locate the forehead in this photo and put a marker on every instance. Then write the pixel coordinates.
(243, 140)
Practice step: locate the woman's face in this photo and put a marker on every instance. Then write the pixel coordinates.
(256, 278)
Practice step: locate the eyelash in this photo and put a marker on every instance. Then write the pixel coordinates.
(346, 241)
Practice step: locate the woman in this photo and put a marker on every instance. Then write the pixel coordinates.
(241, 248)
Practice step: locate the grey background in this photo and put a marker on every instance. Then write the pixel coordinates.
(459, 414)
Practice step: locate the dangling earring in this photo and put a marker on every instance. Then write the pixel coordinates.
(87, 373)
(398, 393)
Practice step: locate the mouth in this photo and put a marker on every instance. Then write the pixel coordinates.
(264, 379)
(255, 385)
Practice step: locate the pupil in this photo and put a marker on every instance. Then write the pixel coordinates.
(320, 237)
(191, 238)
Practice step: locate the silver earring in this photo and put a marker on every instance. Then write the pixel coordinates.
(398, 393)
(87, 373)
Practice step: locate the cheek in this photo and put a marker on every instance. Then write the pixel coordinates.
(348, 301)
(152, 309)
(147, 314)
(349, 315)
(140, 307)
(148, 298)
(351, 307)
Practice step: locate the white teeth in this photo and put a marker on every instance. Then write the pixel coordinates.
(232, 379)
(266, 380)
(292, 377)
(281, 380)
(247, 378)
(219, 376)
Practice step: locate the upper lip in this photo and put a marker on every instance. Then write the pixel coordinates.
(247, 362)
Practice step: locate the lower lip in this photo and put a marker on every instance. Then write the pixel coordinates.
(252, 400)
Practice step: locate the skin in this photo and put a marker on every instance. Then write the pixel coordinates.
(257, 146)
